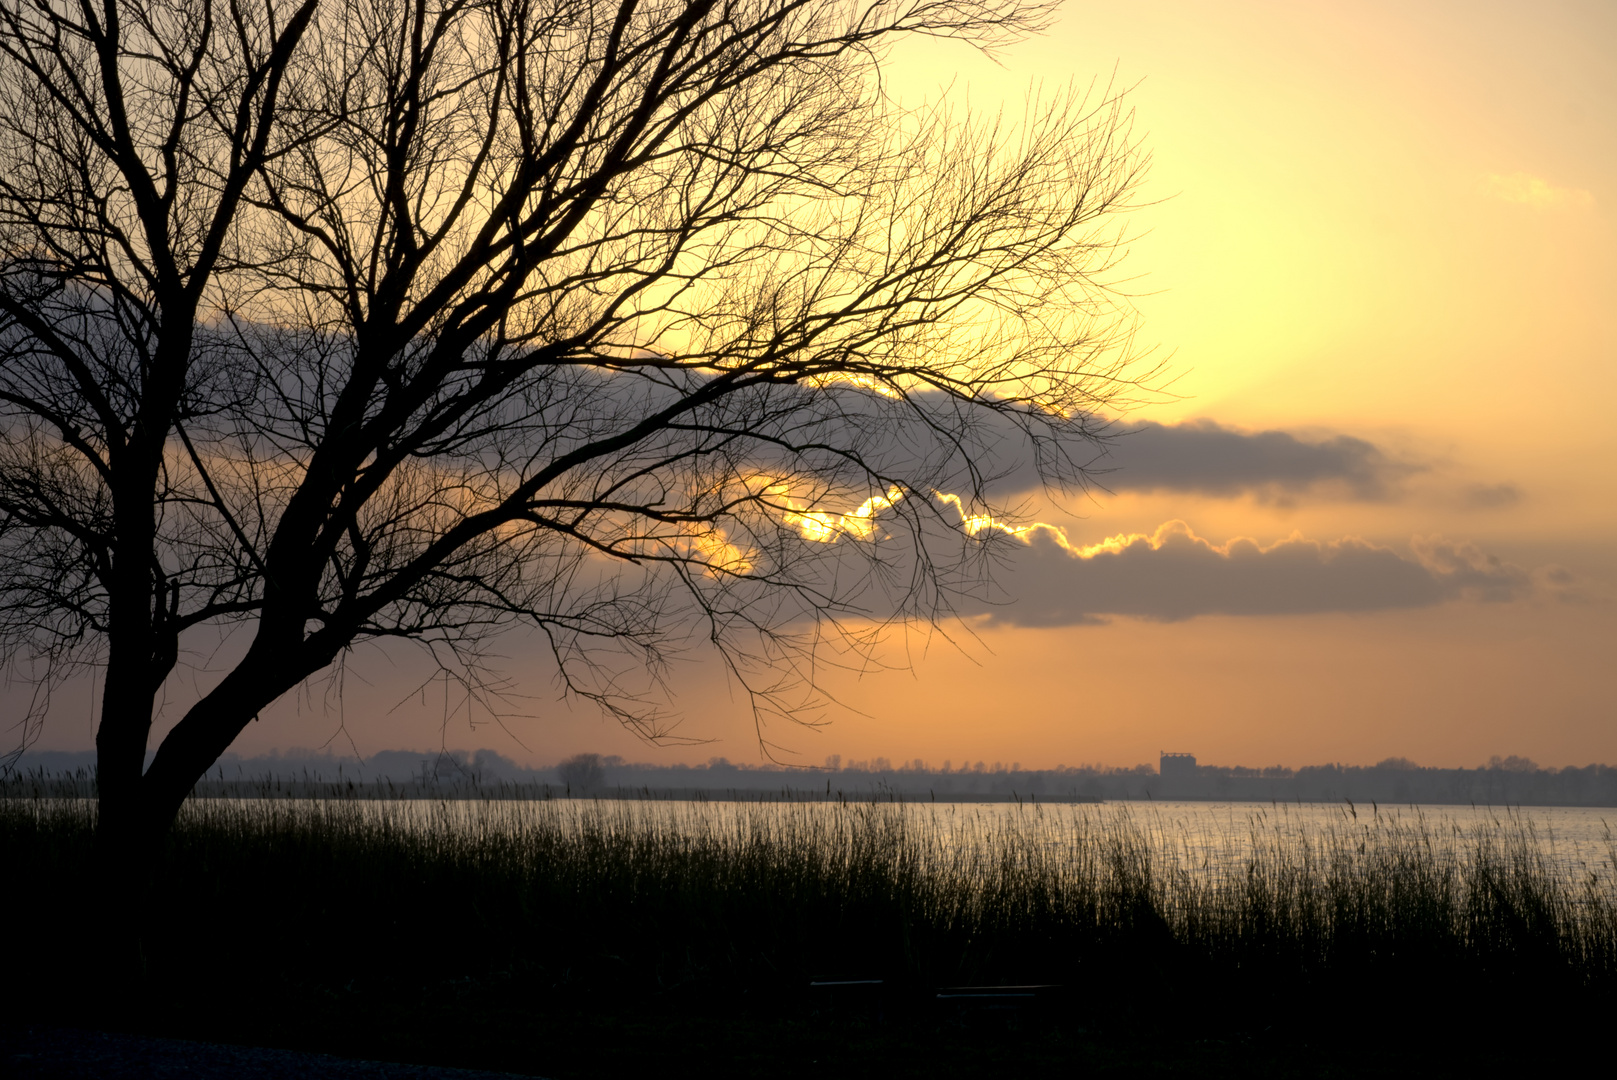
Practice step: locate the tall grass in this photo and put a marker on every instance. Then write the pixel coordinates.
(624, 898)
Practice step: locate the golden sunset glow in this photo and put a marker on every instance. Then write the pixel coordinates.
(1390, 222)
(976, 524)
(718, 555)
(1373, 510)
(859, 523)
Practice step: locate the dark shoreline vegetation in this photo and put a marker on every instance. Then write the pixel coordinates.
(582, 938)
(1511, 781)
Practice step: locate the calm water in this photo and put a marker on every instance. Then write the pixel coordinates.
(1574, 839)
(1218, 840)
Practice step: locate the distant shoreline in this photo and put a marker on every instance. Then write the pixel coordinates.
(488, 775)
(81, 787)
(70, 787)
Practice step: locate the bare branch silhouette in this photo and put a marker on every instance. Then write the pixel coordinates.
(652, 324)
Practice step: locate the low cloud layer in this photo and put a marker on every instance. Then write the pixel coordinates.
(1173, 574)
(1207, 458)
(1199, 457)
(931, 440)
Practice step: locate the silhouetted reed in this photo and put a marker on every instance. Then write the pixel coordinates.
(640, 898)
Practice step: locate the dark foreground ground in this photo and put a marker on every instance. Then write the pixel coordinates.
(618, 945)
(50, 1053)
(434, 1033)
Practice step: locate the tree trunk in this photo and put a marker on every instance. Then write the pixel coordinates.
(138, 805)
(125, 848)
(208, 729)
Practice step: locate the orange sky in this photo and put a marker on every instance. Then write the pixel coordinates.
(1390, 221)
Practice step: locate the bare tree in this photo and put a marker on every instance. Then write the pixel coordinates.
(609, 317)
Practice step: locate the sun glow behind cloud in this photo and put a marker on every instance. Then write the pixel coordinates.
(858, 381)
(977, 524)
(827, 527)
(714, 550)
(1172, 573)
(860, 524)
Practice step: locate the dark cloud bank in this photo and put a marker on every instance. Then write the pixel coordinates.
(960, 446)
(1175, 575)
(1209, 459)
(1206, 458)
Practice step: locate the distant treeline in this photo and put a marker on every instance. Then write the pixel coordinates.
(408, 774)
(1512, 782)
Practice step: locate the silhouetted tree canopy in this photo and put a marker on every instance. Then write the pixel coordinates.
(337, 322)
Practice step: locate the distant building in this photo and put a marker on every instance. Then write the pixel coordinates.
(1177, 766)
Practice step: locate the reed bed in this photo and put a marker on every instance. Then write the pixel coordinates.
(575, 938)
(668, 894)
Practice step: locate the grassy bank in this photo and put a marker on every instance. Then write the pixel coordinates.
(558, 937)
